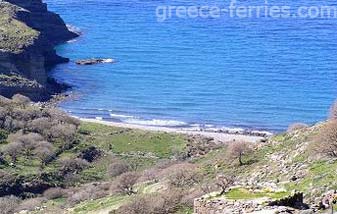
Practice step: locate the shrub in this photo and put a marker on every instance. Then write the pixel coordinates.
(28, 141)
(117, 168)
(3, 135)
(126, 183)
(63, 132)
(62, 117)
(31, 204)
(296, 127)
(74, 166)
(327, 139)
(44, 151)
(41, 125)
(21, 100)
(8, 204)
(139, 205)
(90, 154)
(88, 192)
(165, 203)
(238, 150)
(183, 175)
(150, 175)
(13, 150)
(54, 193)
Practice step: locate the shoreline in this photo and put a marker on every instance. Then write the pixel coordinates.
(219, 137)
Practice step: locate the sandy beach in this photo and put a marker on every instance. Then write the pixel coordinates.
(217, 136)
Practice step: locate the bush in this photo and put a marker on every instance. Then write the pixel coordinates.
(13, 150)
(62, 117)
(117, 168)
(28, 141)
(88, 192)
(327, 139)
(41, 125)
(90, 154)
(44, 151)
(54, 193)
(296, 127)
(31, 204)
(3, 135)
(8, 204)
(73, 166)
(126, 183)
(63, 132)
(183, 175)
(165, 203)
(21, 100)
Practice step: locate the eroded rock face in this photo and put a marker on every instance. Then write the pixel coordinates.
(39, 18)
(29, 56)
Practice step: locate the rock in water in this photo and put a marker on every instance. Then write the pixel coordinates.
(94, 61)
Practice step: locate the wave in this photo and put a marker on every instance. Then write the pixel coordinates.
(72, 41)
(74, 29)
(106, 114)
(108, 61)
(156, 122)
(120, 116)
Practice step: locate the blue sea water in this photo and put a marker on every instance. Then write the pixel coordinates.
(257, 73)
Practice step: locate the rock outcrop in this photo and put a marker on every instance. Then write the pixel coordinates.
(28, 35)
(94, 61)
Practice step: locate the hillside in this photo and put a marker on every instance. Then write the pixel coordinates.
(52, 163)
(28, 34)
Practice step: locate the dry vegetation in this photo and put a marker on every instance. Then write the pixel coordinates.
(50, 159)
(327, 139)
(238, 150)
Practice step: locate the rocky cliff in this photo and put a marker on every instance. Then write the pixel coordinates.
(28, 34)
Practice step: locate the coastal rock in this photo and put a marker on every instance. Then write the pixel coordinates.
(29, 34)
(94, 61)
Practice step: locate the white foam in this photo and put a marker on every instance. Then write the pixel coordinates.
(99, 118)
(156, 122)
(74, 29)
(120, 116)
(108, 61)
(72, 41)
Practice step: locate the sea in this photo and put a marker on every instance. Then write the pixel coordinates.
(209, 72)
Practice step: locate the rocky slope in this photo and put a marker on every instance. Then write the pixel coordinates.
(28, 34)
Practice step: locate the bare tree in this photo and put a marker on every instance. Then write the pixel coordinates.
(184, 175)
(64, 132)
(239, 149)
(44, 151)
(73, 166)
(327, 139)
(13, 150)
(126, 182)
(224, 182)
(28, 141)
